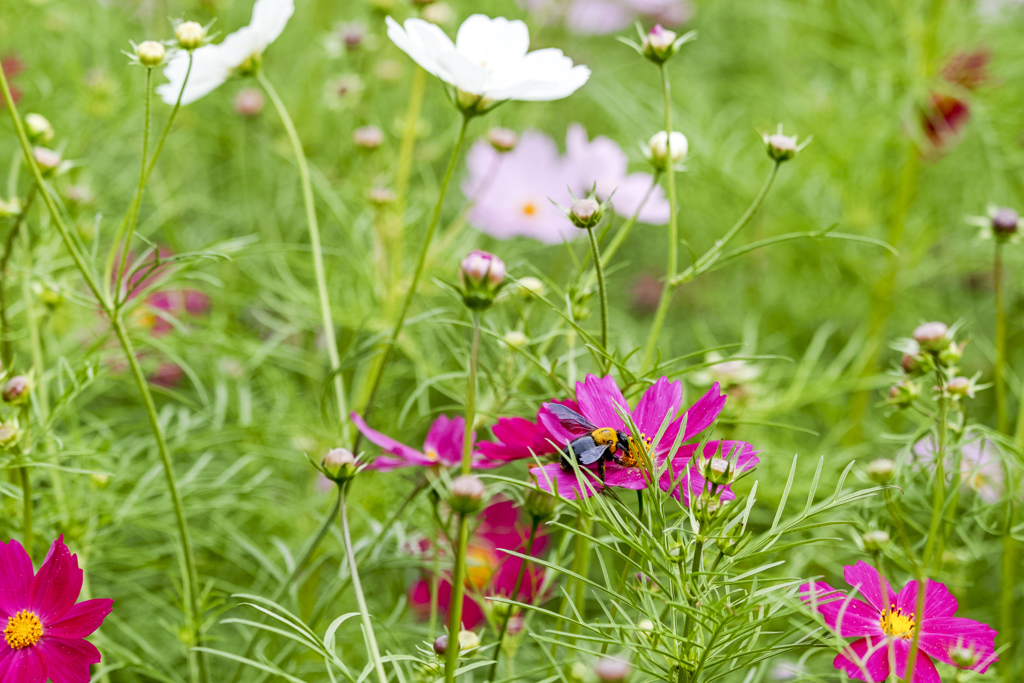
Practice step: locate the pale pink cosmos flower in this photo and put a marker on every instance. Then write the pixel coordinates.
(601, 17)
(980, 465)
(443, 446)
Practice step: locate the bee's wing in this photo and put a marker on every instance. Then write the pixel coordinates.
(572, 421)
(592, 455)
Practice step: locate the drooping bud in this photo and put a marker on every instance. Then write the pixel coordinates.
(612, 670)
(47, 160)
(151, 54)
(959, 387)
(441, 646)
(780, 147)
(932, 336)
(881, 470)
(17, 390)
(249, 102)
(340, 465)
(903, 394)
(586, 213)
(482, 275)
(381, 196)
(530, 287)
(659, 44)
(38, 128)
(190, 35)
(502, 139)
(368, 137)
(663, 149)
(439, 13)
(467, 494)
(718, 471)
(1004, 222)
(516, 339)
(875, 541)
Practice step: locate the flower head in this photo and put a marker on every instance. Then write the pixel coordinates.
(980, 465)
(481, 275)
(150, 53)
(516, 438)
(488, 62)
(44, 630)
(664, 149)
(885, 623)
(442, 447)
(240, 51)
(190, 35)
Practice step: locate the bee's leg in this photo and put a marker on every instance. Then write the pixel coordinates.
(600, 470)
(564, 460)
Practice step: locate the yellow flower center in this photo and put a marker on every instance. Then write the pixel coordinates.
(629, 456)
(431, 455)
(529, 208)
(23, 630)
(480, 566)
(897, 624)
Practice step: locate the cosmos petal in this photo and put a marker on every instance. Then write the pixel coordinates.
(864, 660)
(81, 620)
(869, 584)
(847, 616)
(16, 575)
(25, 666)
(940, 634)
(57, 585)
(596, 397)
(938, 601)
(553, 479)
(662, 398)
(68, 659)
(924, 668)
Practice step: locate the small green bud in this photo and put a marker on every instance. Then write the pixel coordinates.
(38, 128)
(875, 541)
(151, 54)
(467, 494)
(190, 35)
(340, 465)
(881, 470)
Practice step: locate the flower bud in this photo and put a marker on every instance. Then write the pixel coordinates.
(381, 196)
(612, 670)
(931, 336)
(707, 505)
(47, 160)
(8, 433)
(472, 104)
(718, 471)
(482, 276)
(952, 354)
(917, 364)
(368, 137)
(467, 494)
(646, 624)
(352, 35)
(468, 640)
(529, 287)
(151, 54)
(1004, 222)
(516, 339)
(17, 390)
(663, 149)
(539, 504)
(659, 44)
(439, 13)
(881, 470)
(38, 128)
(340, 465)
(963, 657)
(903, 394)
(249, 102)
(10, 208)
(780, 147)
(875, 541)
(99, 480)
(959, 387)
(441, 646)
(586, 213)
(190, 35)
(502, 139)
(578, 671)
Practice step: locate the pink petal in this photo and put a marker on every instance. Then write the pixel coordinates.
(661, 399)
(446, 438)
(848, 617)
(629, 197)
(702, 413)
(57, 585)
(940, 634)
(514, 438)
(6, 654)
(625, 477)
(864, 656)
(924, 669)
(388, 444)
(383, 463)
(81, 620)
(25, 666)
(938, 601)
(68, 660)
(596, 397)
(869, 584)
(15, 578)
(419, 597)
(565, 483)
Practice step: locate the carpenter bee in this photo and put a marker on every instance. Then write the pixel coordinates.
(593, 444)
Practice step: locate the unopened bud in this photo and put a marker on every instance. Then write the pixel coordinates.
(881, 470)
(190, 35)
(99, 480)
(352, 35)
(1004, 222)
(467, 494)
(612, 670)
(780, 147)
(47, 160)
(516, 339)
(368, 137)
(439, 13)
(645, 624)
(381, 196)
(17, 390)
(529, 287)
(578, 671)
(931, 336)
(468, 640)
(10, 208)
(38, 128)
(482, 276)
(340, 465)
(585, 213)
(539, 504)
(917, 364)
(959, 386)
(963, 657)
(663, 149)
(441, 646)
(8, 433)
(249, 102)
(151, 53)
(502, 139)
(659, 44)
(952, 354)
(875, 541)
(904, 393)
(718, 471)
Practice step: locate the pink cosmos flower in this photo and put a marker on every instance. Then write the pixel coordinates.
(596, 397)
(517, 438)
(603, 162)
(601, 17)
(44, 636)
(885, 624)
(512, 192)
(443, 446)
(489, 571)
(980, 465)
(12, 66)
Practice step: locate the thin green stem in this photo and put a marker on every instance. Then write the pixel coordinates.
(133, 219)
(26, 499)
(673, 232)
(474, 361)
(6, 348)
(622, 234)
(599, 269)
(378, 368)
(935, 528)
(1003, 420)
(371, 639)
(455, 606)
(524, 565)
(318, 255)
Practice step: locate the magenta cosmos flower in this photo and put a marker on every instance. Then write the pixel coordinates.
(516, 438)
(44, 636)
(885, 623)
(443, 446)
(596, 398)
(489, 571)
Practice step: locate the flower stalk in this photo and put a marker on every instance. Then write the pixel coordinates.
(474, 361)
(455, 606)
(599, 269)
(513, 596)
(133, 212)
(1002, 418)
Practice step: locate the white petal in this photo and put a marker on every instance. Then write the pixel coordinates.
(462, 73)
(208, 72)
(269, 18)
(239, 46)
(421, 40)
(492, 41)
(546, 90)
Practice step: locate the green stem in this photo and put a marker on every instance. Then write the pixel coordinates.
(133, 213)
(935, 528)
(673, 232)
(598, 267)
(371, 639)
(318, 256)
(455, 606)
(474, 361)
(6, 349)
(26, 497)
(1003, 420)
(623, 232)
(513, 596)
(435, 574)
(377, 369)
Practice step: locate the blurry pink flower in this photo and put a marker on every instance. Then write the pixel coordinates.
(886, 622)
(489, 571)
(12, 66)
(601, 17)
(646, 293)
(443, 446)
(167, 375)
(512, 191)
(980, 465)
(603, 162)
(943, 119)
(968, 69)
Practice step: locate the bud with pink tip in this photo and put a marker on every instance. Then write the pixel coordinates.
(903, 394)
(467, 494)
(47, 160)
(482, 275)
(959, 387)
(659, 44)
(932, 336)
(340, 465)
(502, 139)
(441, 646)
(38, 128)
(781, 147)
(586, 213)
(249, 102)
(368, 137)
(612, 670)
(381, 196)
(1004, 222)
(352, 35)
(17, 390)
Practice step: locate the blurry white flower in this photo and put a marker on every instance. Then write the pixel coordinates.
(728, 373)
(214, 64)
(489, 59)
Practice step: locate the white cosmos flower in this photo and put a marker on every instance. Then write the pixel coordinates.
(214, 64)
(489, 59)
